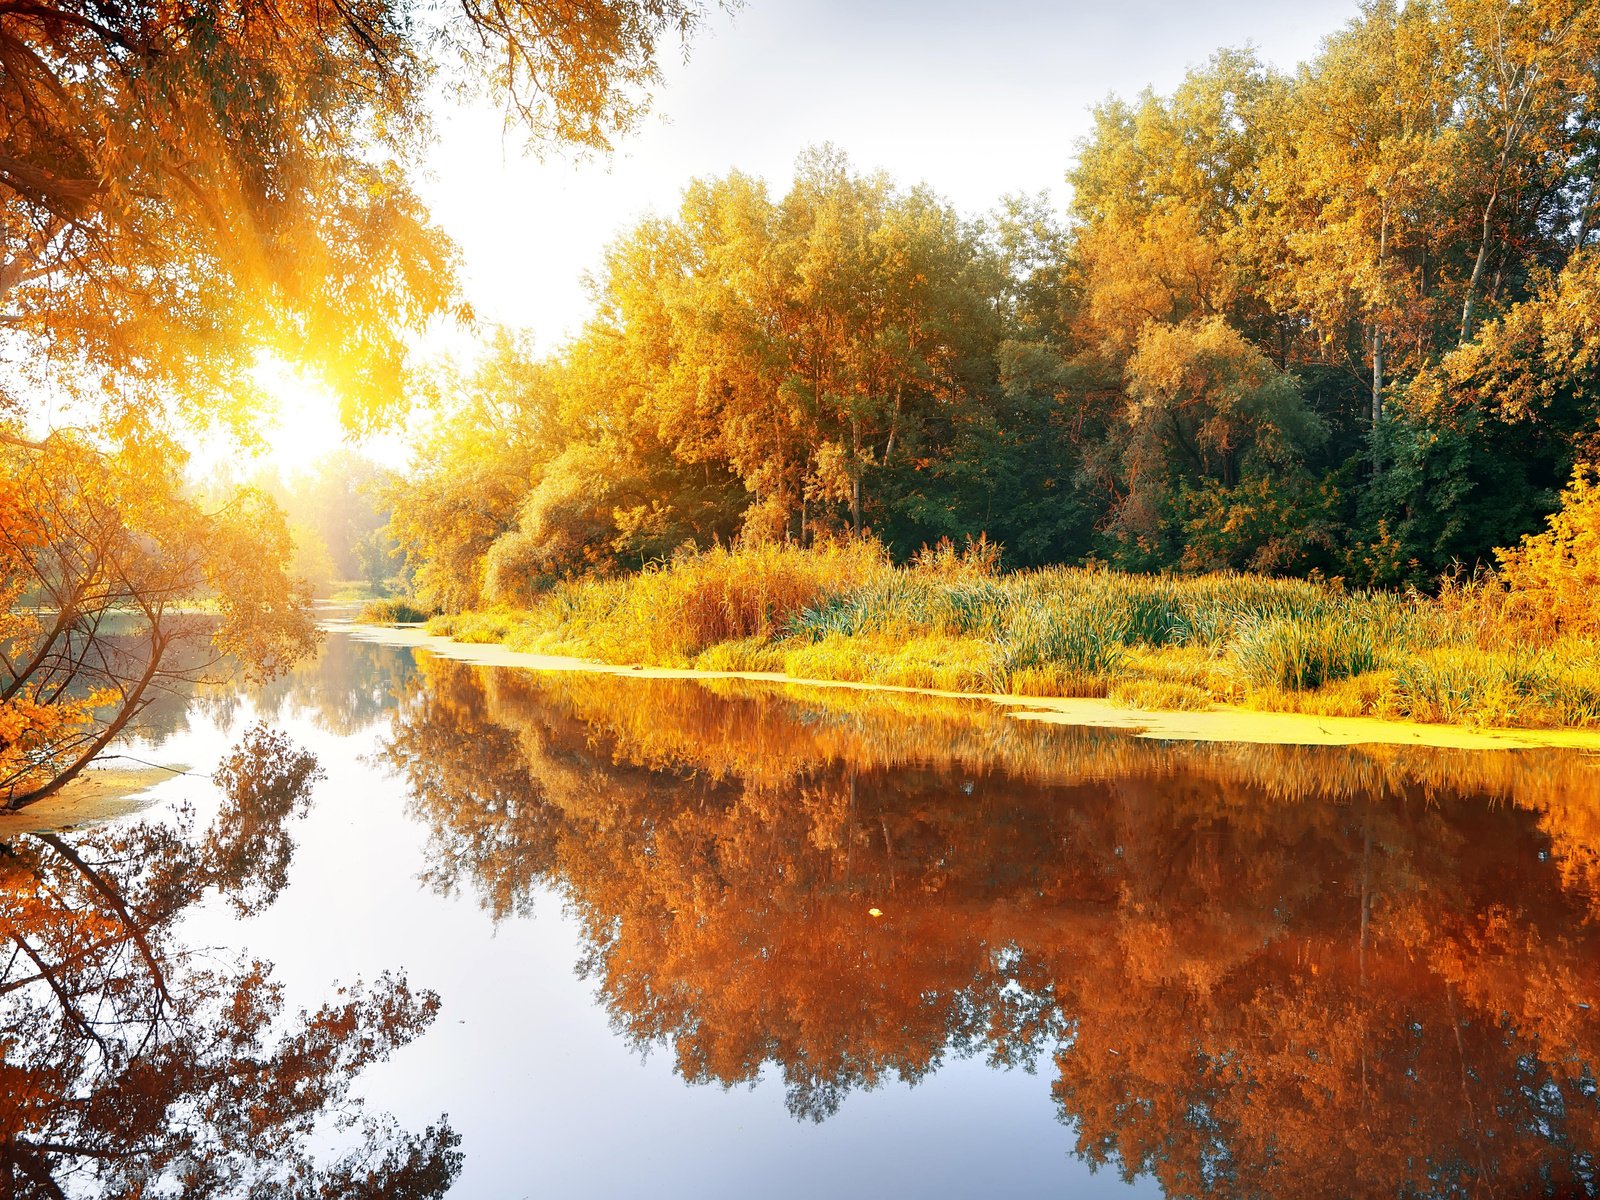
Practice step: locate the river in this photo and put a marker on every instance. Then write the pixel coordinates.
(621, 936)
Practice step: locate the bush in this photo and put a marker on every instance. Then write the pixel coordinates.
(1554, 576)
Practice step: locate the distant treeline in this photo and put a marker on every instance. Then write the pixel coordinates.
(1343, 321)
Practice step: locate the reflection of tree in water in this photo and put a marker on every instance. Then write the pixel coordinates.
(351, 686)
(1258, 970)
(134, 1065)
(345, 687)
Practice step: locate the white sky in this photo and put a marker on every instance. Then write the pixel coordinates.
(977, 100)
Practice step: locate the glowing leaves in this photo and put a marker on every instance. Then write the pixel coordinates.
(1554, 576)
(96, 541)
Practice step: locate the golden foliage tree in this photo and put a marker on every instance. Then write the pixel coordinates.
(105, 559)
(181, 188)
(178, 186)
(1554, 576)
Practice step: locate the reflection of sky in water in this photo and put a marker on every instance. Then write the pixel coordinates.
(549, 1100)
(1298, 914)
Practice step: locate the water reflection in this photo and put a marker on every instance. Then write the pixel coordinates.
(136, 1065)
(1251, 970)
(348, 686)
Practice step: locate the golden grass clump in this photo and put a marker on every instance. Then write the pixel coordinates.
(937, 661)
(744, 654)
(396, 611)
(1301, 653)
(1558, 685)
(1159, 694)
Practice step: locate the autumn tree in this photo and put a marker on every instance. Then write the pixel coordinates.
(1423, 145)
(1159, 190)
(105, 559)
(1346, 233)
(807, 345)
(1206, 412)
(179, 190)
(180, 187)
(492, 425)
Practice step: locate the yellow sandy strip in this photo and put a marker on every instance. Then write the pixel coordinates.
(1220, 723)
(99, 794)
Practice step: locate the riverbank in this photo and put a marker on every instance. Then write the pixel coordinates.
(1219, 723)
(952, 622)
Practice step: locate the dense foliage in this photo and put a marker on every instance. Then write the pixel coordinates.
(1337, 321)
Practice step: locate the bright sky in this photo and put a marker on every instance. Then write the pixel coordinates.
(977, 100)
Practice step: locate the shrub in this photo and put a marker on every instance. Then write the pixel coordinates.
(1554, 576)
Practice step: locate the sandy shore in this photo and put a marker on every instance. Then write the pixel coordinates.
(1220, 723)
(99, 794)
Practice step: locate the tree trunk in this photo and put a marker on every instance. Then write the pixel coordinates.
(1585, 218)
(855, 473)
(1377, 344)
(1469, 305)
(1377, 397)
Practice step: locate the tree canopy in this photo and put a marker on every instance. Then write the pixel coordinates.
(182, 185)
(1337, 320)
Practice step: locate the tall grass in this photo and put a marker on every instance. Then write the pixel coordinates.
(671, 612)
(394, 611)
(953, 621)
(1306, 652)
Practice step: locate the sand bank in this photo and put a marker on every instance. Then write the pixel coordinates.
(99, 794)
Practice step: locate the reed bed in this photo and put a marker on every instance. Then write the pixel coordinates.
(395, 612)
(953, 621)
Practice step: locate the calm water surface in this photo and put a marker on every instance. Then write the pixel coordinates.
(659, 937)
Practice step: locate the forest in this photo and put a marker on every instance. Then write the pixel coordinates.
(1340, 322)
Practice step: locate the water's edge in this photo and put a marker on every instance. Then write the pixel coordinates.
(1220, 723)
